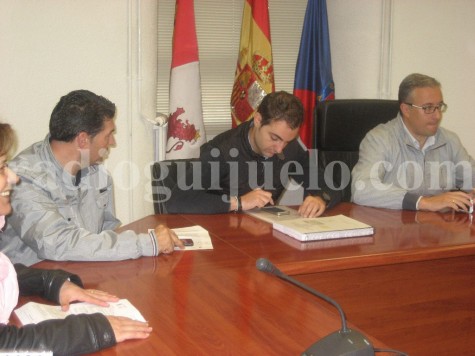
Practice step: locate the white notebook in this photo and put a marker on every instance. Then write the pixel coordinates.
(323, 228)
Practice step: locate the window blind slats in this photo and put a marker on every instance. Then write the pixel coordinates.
(218, 27)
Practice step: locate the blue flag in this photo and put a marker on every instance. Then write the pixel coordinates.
(313, 73)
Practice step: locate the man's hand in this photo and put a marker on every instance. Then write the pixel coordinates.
(457, 200)
(125, 328)
(167, 239)
(70, 292)
(256, 199)
(312, 207)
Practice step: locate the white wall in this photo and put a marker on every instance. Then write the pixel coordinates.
(50, 47)
(437, 37)
(355, 38)
(433, 37)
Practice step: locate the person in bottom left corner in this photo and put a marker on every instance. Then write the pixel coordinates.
(77, 334)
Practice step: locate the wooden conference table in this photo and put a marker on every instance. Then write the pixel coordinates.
(410, 286)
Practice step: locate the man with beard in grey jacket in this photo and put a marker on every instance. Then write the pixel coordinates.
(63, 207)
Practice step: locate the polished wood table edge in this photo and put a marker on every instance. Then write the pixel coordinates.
(382, 259)
(345, 262)
(323, 264)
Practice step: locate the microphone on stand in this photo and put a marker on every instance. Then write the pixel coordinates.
(344, 342)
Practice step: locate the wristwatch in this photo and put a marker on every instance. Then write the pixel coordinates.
(238, 204)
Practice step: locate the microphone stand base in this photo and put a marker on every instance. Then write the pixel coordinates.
(339, 343)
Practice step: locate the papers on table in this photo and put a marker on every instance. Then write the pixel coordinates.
(33, 313)
(199, 235)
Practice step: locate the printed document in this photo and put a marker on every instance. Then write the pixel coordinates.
(33, 313)
(199, 236)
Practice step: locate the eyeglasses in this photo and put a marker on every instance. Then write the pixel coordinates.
(429, 109)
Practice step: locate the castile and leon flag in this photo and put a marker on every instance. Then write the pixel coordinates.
(186, 131)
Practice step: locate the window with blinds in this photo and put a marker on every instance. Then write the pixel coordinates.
(218, 27)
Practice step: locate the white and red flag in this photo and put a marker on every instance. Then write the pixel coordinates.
(186, 131)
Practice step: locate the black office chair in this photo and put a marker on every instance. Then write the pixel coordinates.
(340, 126)
(165, 176)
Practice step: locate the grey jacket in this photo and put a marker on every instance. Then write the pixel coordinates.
(393, 173)
(55, 219)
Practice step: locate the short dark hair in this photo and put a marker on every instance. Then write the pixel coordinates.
(413, 81)
(281, 105)
(79, 111)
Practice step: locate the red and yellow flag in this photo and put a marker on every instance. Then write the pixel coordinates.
(254, 76)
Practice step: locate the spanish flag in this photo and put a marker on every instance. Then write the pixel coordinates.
(254, 76)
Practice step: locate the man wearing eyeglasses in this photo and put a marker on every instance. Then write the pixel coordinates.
(411, 162)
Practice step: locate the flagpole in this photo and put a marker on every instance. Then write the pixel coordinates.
(159, 142)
